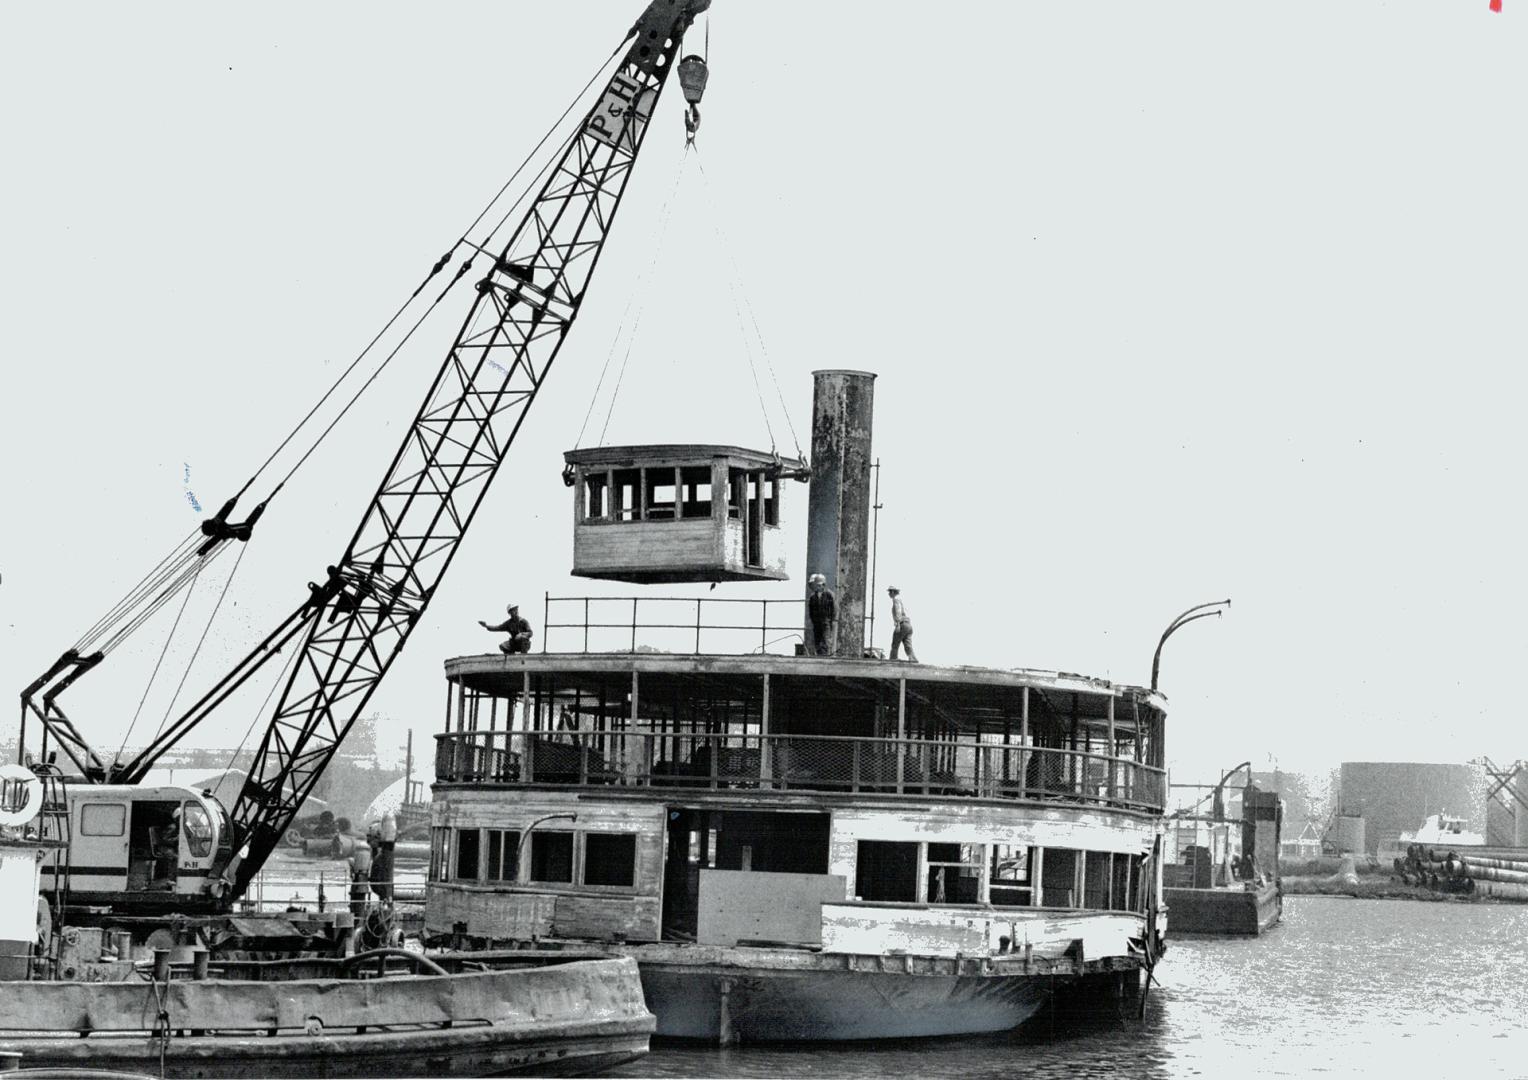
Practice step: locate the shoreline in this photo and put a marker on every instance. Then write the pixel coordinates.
(1372, 889)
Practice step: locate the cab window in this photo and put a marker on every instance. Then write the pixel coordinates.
(197, 827)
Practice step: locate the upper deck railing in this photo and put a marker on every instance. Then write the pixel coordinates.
(675, 624)
(802, 763)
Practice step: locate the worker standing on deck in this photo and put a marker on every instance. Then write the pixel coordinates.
(519, 631)
(821, 608)
(902, 626)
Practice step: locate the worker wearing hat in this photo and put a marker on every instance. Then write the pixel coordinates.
(821, 609)
(519, 631)
(902, 626)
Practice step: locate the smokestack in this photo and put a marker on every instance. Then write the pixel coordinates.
(838, 510)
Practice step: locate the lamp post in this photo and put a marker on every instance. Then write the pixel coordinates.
(522, 852)
(1198, 611)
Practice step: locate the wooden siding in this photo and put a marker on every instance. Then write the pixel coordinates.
(745, 905)
(625, 545)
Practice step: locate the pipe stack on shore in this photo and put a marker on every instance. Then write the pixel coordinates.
(1501, 875)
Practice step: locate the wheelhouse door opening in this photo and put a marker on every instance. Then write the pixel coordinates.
(781, 842)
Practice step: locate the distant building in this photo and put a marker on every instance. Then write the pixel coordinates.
(1397, 796)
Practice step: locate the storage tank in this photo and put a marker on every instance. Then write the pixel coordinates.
(1350, 834)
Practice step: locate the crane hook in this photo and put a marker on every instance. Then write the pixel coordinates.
(693, 73)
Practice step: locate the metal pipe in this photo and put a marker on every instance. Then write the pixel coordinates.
(1183, 620)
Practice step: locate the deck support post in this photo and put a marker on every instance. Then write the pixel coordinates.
(901, 731)
(766, 755)
(1112, 747)
(725, 1035)
(1024, 743)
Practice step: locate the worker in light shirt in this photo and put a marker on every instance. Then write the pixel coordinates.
(902, 626)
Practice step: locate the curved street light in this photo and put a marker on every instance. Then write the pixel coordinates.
(1198, 611)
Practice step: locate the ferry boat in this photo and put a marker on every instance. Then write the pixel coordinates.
(806, 842)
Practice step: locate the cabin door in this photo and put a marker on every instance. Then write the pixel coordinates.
(153, 845)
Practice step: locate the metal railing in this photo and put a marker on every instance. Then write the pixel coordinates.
(797, 763)
(669, 623)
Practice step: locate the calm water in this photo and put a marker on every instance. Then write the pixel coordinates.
(1341, 987)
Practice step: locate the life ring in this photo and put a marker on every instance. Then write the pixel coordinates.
(20, 795)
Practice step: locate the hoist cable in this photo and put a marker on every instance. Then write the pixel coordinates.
(648, 275)
(186, 672)
(154, 674)
(741, 292)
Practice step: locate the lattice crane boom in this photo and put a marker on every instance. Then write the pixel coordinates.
(359, 618)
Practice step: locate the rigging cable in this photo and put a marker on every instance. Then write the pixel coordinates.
(185, 674)
(260, 713)
(739, 292)
(648, 276)
(145, 585)
(153, 674)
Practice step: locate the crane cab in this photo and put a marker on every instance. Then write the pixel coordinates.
(141, 849)
(673, 513)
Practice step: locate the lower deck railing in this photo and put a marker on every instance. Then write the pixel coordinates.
(798, 763)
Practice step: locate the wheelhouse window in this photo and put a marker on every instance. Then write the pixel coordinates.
(627, 494)
(610, 859)
(695, 482)
(660, 494)
(440, 854)
(596, 496)
(552, 857)
(954, 873)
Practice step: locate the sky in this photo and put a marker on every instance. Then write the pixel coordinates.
(1168, 303)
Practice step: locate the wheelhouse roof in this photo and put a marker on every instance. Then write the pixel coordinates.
(655, 453)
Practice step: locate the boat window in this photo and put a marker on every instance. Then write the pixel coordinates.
(1095, 880)
(197, 828)
(1119, 884)
(440, 853)
(627, 496)
(552, 857)
(467, 843)
(771, 501)
(596, 496)
(1008, 880)
(954, 873)
(696, 482)
(886, 871)
(103, 819)
(1058, 878)
(660, 494)
(503, 851)
(610, 859)
(737, 492)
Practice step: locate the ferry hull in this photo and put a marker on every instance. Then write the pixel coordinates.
(720, 1005)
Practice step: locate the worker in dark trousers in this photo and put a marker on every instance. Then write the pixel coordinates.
(821, 608)
(519, 631)
(902, 626)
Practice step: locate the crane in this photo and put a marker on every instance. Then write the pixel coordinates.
(352, 624)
